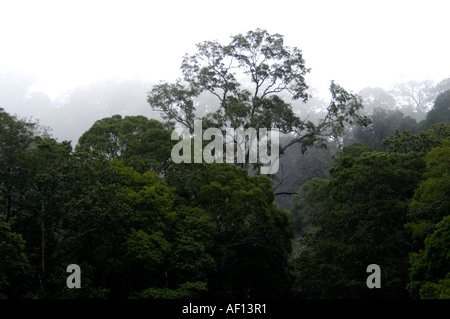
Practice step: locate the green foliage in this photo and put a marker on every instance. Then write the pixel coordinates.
(383, 124)
(142, 227)
(376, 176)
(429, 226)
(150, 249)
(440, 290)
(185, 291)
(430, 203)
(252, 237)
(117, 222)
(355, 150)
(363, 223)
(311, 202)
(138, 141)
(430, 267)
(440, 113)
(15, 269)
(191, 255)
(16, 136)
(124, 225)
(175, 103)
(421, 142)
(38, 213)
(252, 79)
(217, 233)
(367, 213)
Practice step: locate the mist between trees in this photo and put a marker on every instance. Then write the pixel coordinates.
(363, 179)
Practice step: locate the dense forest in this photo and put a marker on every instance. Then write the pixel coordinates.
(363, 179)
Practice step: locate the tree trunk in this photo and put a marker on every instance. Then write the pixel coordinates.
(42, 248)
(8, 207)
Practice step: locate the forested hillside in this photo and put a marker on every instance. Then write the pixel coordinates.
(363, 179)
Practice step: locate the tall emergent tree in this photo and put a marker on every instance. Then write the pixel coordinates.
(253, 79)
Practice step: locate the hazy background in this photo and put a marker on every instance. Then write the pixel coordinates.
(68, 63)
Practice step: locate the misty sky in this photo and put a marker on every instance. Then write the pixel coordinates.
(356, 43)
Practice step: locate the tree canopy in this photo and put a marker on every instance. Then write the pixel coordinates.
(142, 226)
(253, 79)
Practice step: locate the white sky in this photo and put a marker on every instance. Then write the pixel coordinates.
(356, 43)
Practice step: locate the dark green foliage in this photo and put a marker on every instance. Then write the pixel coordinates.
(211, 231)
(363, 224)
(421, 142)
(252, 236)
(124, 226)
(430, 267)
(383, 124)
(385, 208)
(310, 203)
(430, 202)
(15, 269)
(440, 113)
(16, 136)
(143, 227)
(138, 141)
(429, 227)
(187, 290)
(355, 150)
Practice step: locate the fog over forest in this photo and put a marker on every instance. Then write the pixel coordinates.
(110, 188)
(68, 115)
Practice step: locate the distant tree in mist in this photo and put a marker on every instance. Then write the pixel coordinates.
(384, 123)
(376, 97)
(249, 78)
(416, 98)
(439, 113)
